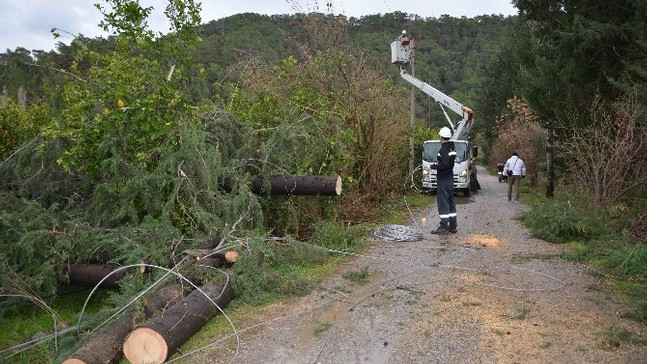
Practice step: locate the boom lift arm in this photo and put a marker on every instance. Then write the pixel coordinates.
(401, 54)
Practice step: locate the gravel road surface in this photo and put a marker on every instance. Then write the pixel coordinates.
(489, 294)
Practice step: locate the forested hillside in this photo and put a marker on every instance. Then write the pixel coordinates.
(134, 148)
(450, 52)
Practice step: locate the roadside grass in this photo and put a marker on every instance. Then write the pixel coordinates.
(357, 276)
(614, 337)
(398, 211)
(522, 313)
(22, 321)
(319, 328)
(600, 237)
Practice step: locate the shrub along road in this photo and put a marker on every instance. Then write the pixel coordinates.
(488, 294)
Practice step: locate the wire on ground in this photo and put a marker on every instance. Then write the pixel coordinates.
(398, 233)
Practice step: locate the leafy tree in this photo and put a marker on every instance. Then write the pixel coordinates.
(579, 48)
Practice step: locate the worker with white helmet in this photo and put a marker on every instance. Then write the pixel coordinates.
(445, 184)
(403, 38)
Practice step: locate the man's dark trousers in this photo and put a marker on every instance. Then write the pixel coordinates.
(446, 206)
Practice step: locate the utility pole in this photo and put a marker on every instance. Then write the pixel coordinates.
(412, 111)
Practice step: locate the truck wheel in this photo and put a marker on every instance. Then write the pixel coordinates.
(474, 185)
(467, 192)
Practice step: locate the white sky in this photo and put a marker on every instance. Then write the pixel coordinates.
(27, 23)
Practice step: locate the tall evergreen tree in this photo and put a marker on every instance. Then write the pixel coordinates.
(581, 48)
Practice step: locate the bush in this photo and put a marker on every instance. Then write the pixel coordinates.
(608, 157)
(559, 220)
(333, 236)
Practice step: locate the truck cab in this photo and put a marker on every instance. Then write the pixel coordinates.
(464, 166)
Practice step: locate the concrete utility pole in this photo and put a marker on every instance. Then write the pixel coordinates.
(412, 111)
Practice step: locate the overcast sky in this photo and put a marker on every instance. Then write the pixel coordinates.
(27, 23)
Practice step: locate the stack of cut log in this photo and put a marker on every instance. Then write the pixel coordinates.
(162, 336)
(178, 317)
(176, 320)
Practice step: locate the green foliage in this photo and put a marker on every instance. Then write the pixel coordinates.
(336, 134)
(331, 235)
(627, 260)
(265, 271)
(142, 173)
(561, 220)
(269, 269)
(18, 125)
(121, 117)
(579, 51)
(128, 18)
(32, 173)
(357, 276)
(29, 255)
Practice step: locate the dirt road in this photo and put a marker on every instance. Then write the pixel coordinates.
(488, 294)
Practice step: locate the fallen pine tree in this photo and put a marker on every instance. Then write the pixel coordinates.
(161, 337)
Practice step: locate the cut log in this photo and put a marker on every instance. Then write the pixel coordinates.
(89, 275)
(294, 185)
(105, 347)
(230, 256)
(164, 334)
(298, 185)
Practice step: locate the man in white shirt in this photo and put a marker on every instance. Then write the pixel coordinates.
(515, 169)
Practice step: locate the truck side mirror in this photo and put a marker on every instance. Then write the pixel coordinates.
(475, 151)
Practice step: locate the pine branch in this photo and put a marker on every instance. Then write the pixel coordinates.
(57, 70)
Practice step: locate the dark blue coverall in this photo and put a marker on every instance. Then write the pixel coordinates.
(445, 188)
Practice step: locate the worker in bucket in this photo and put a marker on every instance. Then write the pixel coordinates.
(403, 38)
(445, 188)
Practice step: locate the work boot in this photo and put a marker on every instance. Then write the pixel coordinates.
(453, 224)
(442, 230)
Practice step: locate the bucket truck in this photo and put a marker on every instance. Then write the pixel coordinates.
(464, 166)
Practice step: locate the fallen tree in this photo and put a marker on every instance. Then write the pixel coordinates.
(163, 335)
(106, 346)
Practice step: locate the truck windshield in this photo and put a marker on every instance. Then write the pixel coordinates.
(431, 148)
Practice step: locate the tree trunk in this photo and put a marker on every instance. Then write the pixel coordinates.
(163, 335)
(550, 166)
(105, 347)
(294, 185)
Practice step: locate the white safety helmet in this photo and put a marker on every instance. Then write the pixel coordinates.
(445, 132)
(404, 32)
